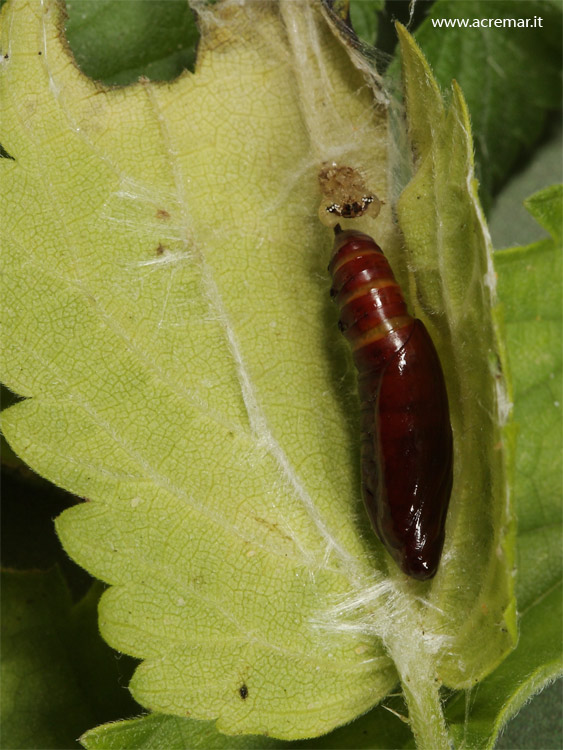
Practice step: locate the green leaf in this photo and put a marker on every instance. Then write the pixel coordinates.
(509, 76)
(116, 41)
(384, 727)
(538, 723)
(529, 287)
(380, 729)
(510, 224)
(172, 732)
(476, 718)
(29, 505)
(547, 208)
(58, 677)
(167, 318)
(530, 290)
(363, 14)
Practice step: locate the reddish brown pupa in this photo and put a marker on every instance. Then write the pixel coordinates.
(406, 442)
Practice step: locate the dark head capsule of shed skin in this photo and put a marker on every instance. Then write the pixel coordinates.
(406, 440)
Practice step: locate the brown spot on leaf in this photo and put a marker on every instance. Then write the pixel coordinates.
(274, 527)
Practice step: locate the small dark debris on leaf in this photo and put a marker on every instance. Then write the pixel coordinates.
(3, 153)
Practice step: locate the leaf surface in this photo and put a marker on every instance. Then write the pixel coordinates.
(510, 224)
(446, 241)
(168, 319)
(178, 381)
(379, 729)
(530, 291)
(116, 41)
(364, 18)
(476, 716)
(509, 74)
(172, 732)
(58, 676)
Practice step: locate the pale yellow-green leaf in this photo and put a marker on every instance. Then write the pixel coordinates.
(166, 309)
(452, 282)
(425, 107)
